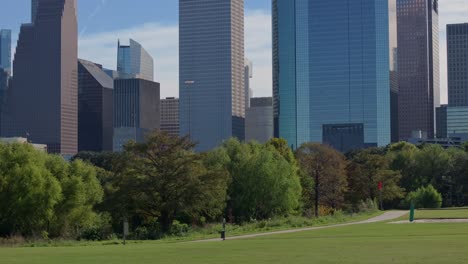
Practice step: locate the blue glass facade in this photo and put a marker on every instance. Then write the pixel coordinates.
(135, 61)
(5, 50)
(332, 72)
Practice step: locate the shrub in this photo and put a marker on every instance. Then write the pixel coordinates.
(425, 197)
(367, 206)
(179, 229)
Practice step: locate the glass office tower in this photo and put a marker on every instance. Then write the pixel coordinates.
(42, 105)
(134, 60)
(5, 50)
(418, 66)
(211, 71)
(457, 58)
(331, 72)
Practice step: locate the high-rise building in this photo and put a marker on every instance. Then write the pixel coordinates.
(5, 65)
(5, 50)
(247, 76)
(42, 105)
(441, 121)
(457, 59)
(211, 71)
(393, 56)
(331, 72)
(259, 120)
(136, 110)
(133, 59)
(95, 105)
(34, 5)
(418, 66)
(170, 116)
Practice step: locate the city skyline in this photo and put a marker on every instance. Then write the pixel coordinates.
(99, 33)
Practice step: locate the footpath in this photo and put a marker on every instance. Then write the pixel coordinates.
(387, 216)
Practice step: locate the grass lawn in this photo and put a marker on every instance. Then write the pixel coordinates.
(367, 243)
(458, 213)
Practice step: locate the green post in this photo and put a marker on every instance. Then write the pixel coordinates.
(411, 216)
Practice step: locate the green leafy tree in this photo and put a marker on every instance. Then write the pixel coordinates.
(81, 191)
(425, 197)
(368, 168)
(454, 186)
(263, 183)
(327, 167)
(403, 158)
(162, 178)
(28, 191)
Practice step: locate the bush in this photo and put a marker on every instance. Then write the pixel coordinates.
(367, 206)
(425, 197)
(179, 229)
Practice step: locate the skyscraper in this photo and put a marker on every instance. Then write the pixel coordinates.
(331, 72)
(457, 58)
(34, 5)
(136, 110)
(170, 116)
(133, 59)
(5, 66)
(43, 103)
(247, 76)
(95, 106)
(418, 66)
(259, 120)
(211, 71)
(5, 50)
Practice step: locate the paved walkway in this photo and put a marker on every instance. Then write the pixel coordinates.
(387, 216)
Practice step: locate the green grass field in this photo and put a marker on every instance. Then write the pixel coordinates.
(367, 243)
(443, 213)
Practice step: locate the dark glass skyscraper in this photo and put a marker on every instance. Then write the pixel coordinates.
(136, 110)
(418, 66)
(331, 72)
(170, 116)
(95, 106)
(5, 66)
(134, 60)
(457, 58)
(211, 70)
(5, 50)
(43, 103)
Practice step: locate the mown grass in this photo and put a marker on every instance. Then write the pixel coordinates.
(207, 232)
(369, 243)
(446, 213)
(275, 224)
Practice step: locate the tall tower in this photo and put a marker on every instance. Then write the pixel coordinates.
(135, 61)
(5, 50)
(331, 72)
(34, 5)
(418, 66)
(211, 71)
(43, 104)
(457, 59)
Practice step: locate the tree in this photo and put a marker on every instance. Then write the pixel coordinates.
(28, 191)
(81, 191)
(454, 186)
(263, 183)
(328, 169)
(368, 168)
(163, 178)
(432, 165)
(403, 158)
(425, 197)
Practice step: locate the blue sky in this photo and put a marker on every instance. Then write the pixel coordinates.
(153, 23)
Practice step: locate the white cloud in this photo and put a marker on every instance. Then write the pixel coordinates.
(161, 41)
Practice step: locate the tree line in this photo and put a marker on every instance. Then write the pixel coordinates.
(162, 186)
